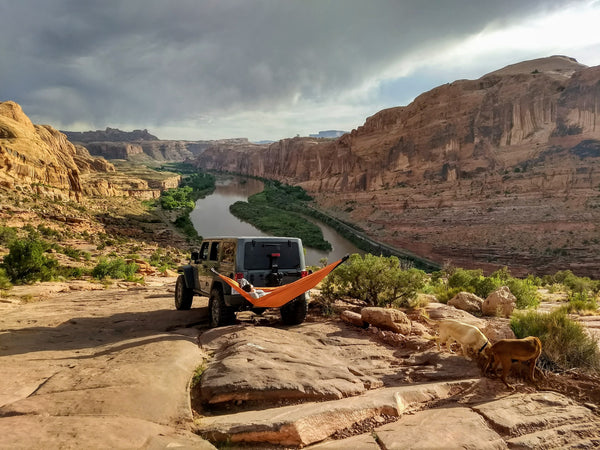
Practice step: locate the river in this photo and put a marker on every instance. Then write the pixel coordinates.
(211, 217)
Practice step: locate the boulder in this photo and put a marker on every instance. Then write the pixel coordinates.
(497, 328)
(353, 318)
(440, 311)
(387, 319)
(467, 302)
(500, 303)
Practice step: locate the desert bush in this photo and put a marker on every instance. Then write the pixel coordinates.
(467, 280)
(48, 232)
(376, 280)
(580, 302)
(4, 280)
(525, 290)
(7, 235)
(162, 259)
(565, 343)
(72, 252)
(27, 262)
(116, 268)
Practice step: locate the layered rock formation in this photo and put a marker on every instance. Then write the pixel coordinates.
(113, 143)
(503, 170)
(41, 158)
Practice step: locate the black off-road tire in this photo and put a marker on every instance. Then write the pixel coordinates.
(294, 312)
(219, 314)
(183, 295)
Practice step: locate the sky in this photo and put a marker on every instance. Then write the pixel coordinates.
(264, 69)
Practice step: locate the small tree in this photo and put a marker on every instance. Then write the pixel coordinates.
(376, 280)
(26, 261)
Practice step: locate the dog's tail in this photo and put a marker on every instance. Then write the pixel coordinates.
(428, 320)
(539, 347)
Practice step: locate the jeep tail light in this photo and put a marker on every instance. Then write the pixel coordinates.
(275, 255)
(238, 276)
(304, 273)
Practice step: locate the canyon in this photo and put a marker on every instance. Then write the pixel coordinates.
(487, 173)
(498, 171)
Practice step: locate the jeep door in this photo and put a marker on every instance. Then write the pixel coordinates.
(209, 258)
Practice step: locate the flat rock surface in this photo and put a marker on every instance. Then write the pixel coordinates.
(106, 368)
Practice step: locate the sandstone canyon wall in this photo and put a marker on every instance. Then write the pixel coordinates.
(113, 143)
(503, 170)
(41, 158)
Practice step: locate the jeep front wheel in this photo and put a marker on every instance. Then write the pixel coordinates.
(183, 294)
(294, 312)
(219, 313)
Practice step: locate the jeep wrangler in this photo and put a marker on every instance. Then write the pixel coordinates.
(262, 261)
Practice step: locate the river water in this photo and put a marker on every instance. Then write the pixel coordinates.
(211, 217)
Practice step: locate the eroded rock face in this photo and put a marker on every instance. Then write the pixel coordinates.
(499, 171)
(40, 158)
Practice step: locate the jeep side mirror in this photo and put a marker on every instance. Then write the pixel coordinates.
(195, 256)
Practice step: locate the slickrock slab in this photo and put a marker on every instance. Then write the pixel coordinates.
(312, 422)
(93, 432)
(102, 369)
(440, 428)
(564, 437)
(522, 414)
(362, 442)
(270, 364)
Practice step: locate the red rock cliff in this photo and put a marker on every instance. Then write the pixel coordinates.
(503, 170)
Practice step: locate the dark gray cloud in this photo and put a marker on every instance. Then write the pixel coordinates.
(156, 63)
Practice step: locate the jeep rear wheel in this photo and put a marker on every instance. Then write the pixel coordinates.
(183, 294)
(294, 312)
(219, 313)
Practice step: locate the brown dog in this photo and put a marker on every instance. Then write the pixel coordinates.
(505, 351)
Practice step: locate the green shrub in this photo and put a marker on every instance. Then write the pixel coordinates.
(197, 376)
(71, 252)
(467, 280)
(4, 280)
(7, 235)
(162, 259)
(26, 262)
(580, 302)
(443, 293)
(116, 268)
(565, 343)
(48, 232)
(473, 281)
(525, 292)
(376, 280)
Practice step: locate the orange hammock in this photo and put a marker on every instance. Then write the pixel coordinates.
(280, 295)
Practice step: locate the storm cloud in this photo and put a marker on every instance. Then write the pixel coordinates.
(263, 69)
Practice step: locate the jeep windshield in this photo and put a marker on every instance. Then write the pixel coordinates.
(262, 255)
